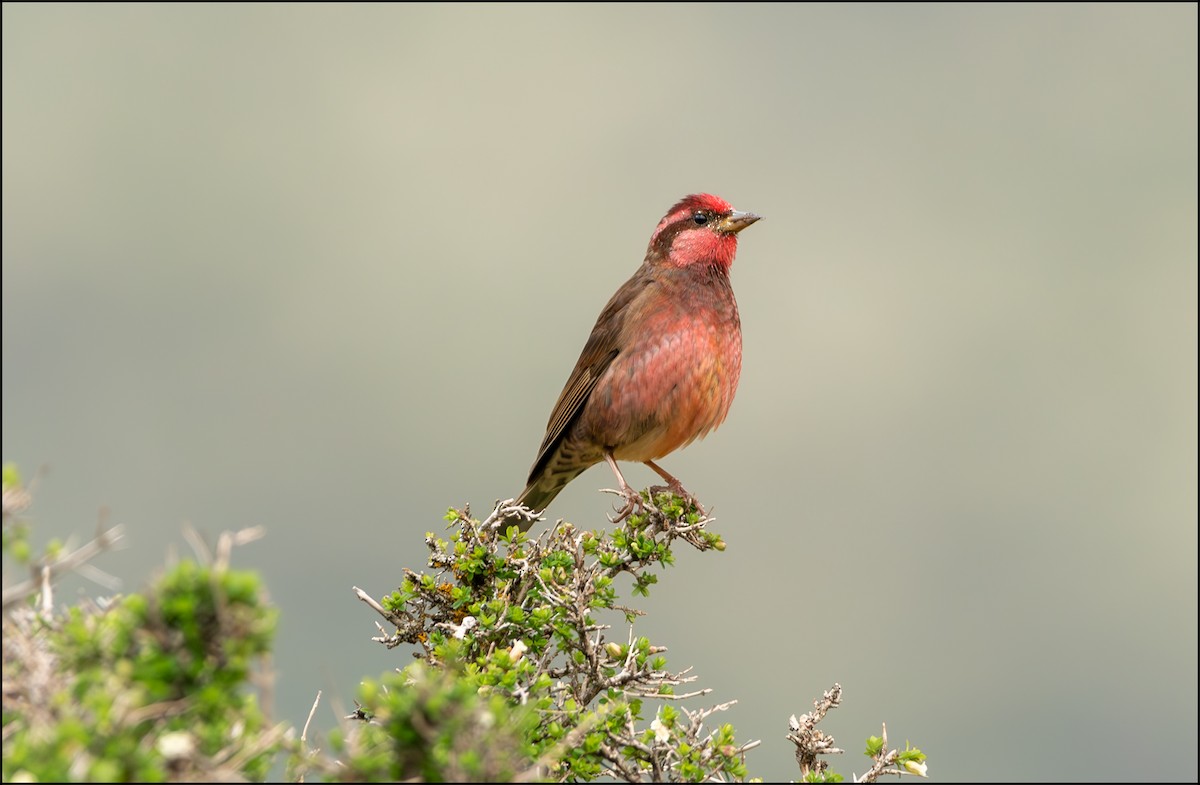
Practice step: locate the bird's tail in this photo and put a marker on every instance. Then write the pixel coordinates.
(546, 484)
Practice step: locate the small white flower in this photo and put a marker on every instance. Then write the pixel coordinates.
(661, 732)
(921, 769)
(174, 746)
(518, 651)
(460, 630)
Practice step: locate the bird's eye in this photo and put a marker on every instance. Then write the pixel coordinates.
(700, 219)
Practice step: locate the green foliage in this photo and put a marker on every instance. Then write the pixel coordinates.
(438, 725)
(517, 676)
(16, 530)
(912, 760)
(147, 687)
(520, 622)
(171, 664)
(909, 760)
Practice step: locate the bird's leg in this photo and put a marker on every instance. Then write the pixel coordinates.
(632, 499)
(673, 485)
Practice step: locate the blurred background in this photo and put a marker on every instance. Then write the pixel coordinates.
(325, 269)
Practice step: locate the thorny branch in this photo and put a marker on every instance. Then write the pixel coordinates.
(46, 572)
(810, 742)
(564, 577)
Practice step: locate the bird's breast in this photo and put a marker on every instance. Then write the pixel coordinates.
(675, 378)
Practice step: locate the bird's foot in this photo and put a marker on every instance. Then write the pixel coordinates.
(676, 487)
(633, 503)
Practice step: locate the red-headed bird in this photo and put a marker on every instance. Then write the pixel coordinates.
(662, 363)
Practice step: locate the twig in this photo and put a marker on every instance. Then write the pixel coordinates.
(311, 712)
(45, 574)
(810, 742)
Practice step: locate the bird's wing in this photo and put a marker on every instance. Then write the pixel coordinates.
(602, 347)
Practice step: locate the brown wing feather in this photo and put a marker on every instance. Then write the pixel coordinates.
(602, 347)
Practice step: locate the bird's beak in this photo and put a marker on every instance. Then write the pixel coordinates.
(736, 222)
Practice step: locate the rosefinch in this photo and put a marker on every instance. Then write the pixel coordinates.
(662, 363)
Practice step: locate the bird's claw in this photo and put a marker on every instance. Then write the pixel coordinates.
(678, 489)
(633, 503)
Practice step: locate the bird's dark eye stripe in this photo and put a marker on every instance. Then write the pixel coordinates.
(700, 219)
